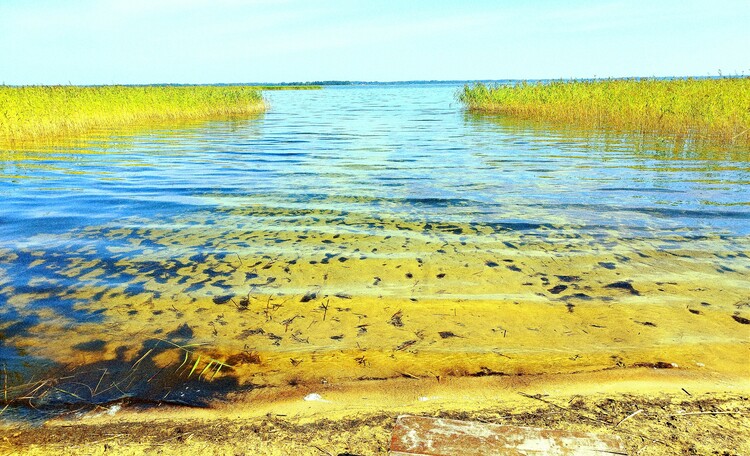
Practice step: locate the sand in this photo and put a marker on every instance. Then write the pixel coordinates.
(655, 411)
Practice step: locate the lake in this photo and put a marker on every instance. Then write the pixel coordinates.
(363, 232)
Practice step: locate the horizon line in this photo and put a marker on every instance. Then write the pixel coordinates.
(341, 82)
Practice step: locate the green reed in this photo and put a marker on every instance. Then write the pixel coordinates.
(40, 112)
(700, 109)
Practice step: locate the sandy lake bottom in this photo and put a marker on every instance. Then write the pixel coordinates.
(374, 246)
(383, 298)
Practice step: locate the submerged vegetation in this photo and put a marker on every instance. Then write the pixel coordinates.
(700, 109)
(40, 112)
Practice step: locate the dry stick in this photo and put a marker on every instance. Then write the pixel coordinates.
(164, 442)
(100, 381)
(739, 134)
(594, 419)
(91, 392)
(168, 393)
(155, 374)
(561, 407)
(407, 375)
(267, 311)
(708, 413)
(111, 437)
(30, 394)
(68, 392)
(104, 390)
(87, 444)
(141, 358)
(133, 380)
(629, 417)
(322, 450)
(117, 387)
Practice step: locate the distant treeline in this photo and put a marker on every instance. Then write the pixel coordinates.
(379, 83)
(469, 81)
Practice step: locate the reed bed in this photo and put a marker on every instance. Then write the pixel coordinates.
(699, 109)
(31, 113)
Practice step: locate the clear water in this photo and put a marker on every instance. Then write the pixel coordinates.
(363, 232)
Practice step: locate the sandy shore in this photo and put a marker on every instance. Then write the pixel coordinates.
(655, 411)
(543, 328)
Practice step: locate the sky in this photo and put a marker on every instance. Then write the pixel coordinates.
(234, 41)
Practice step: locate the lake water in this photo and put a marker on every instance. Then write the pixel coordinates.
(363, 232)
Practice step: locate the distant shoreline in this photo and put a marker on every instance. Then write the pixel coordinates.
(318, 84)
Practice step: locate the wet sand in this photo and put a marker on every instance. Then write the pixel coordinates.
(389, 299)
(655, 411)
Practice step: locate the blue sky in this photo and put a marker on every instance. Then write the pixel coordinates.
(207, 41)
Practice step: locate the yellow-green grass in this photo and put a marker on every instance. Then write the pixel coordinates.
(31, 113)
(699, 109)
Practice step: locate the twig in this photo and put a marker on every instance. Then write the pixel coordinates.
(322, 450)
(89, 444)
(141, 359)
(68, 392)
(539, 398)
(739, 134)
(178, 436)
(100, 382)
(30, 394)
(408, 375)
(629, 417)
(708, 413)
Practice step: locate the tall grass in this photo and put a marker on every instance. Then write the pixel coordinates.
(39, 112)
(710, 109)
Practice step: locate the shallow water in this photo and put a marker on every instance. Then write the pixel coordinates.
(363, 232)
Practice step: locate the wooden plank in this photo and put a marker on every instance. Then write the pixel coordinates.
(420, 436)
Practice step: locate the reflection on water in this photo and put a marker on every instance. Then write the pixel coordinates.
(364, 232)
(547, 134)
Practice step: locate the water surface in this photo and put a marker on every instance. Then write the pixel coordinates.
(363, 232)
